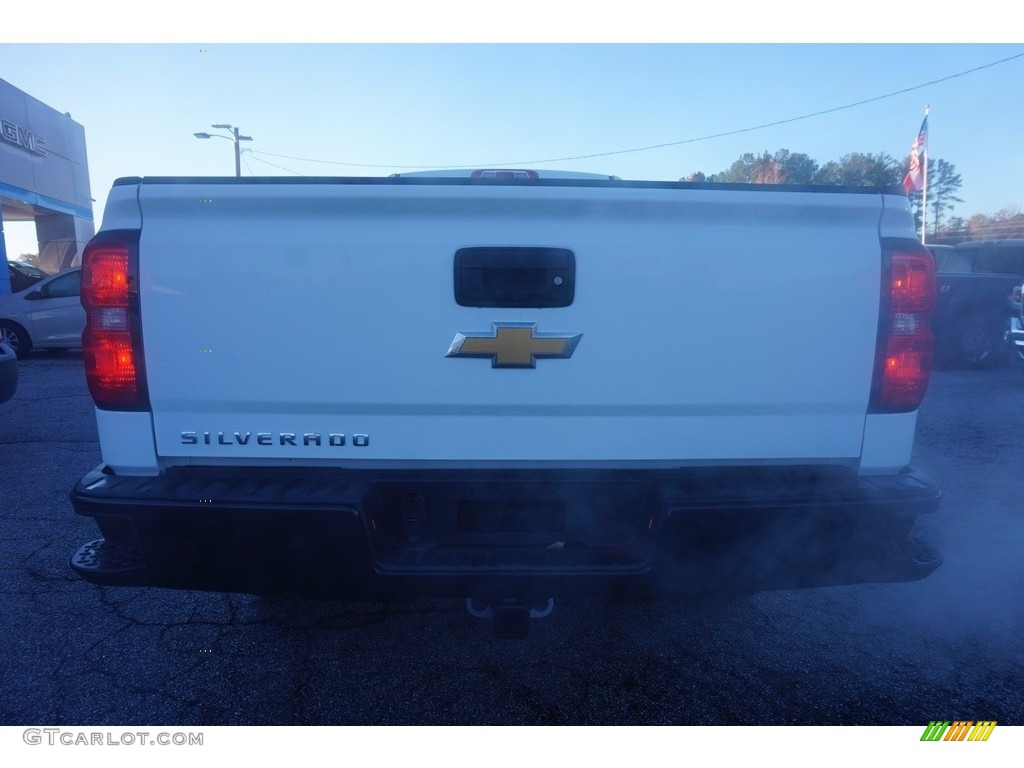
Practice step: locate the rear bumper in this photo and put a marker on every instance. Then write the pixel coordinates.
(388, 536)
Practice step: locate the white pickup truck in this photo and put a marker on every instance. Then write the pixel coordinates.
(504, 386)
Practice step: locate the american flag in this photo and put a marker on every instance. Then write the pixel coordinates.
(914, 180)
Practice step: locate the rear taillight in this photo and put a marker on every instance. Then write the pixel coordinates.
(112, 341)
(904, 340)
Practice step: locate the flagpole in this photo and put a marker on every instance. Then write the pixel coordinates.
(924, 186)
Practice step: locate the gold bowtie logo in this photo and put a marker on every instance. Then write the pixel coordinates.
(513, 345)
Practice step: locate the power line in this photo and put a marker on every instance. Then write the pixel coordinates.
(247, 166)
(666, 144)
(267, 162)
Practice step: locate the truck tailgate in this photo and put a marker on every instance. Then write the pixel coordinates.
(713, 326)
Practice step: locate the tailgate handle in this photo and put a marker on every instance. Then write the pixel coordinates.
(515, 277)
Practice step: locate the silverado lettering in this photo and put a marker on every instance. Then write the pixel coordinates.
(267, 438)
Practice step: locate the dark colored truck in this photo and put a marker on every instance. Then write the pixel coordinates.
(975, 282)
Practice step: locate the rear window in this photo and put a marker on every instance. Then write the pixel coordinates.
(995, 258)
(948, 260)
(27, 269)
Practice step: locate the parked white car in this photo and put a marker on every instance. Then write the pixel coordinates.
(48, 315)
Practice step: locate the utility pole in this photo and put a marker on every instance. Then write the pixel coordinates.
(233, 138)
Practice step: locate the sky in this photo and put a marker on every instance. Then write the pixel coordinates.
(374, 109)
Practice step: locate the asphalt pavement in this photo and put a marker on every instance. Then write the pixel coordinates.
(948, 647)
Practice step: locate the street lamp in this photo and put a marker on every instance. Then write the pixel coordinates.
(234, 138)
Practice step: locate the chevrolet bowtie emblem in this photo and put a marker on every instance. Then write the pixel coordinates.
(513, 345)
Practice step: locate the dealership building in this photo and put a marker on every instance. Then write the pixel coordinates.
(44, 178)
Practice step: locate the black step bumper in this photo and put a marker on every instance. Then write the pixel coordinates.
(389, 536)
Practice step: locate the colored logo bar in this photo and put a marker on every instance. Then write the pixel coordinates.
(959, 730)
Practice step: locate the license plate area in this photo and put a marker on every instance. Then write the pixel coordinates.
(499, 518)
(498, 526)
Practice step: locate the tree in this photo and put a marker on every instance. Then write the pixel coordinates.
(1007, 223)
(943, 182)
(956, 228)
(30, 258)
(796, 167)
(861, 170)
(767, 170)
(942, 192)
(783, 167)
(740, 172)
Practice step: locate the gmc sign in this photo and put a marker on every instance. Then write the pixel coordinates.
(18, 136)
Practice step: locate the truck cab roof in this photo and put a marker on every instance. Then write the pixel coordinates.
(503, 173)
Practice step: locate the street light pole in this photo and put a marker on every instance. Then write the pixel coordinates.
(234, 138)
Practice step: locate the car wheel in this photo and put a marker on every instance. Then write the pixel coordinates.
(16, 339)
(977, 342)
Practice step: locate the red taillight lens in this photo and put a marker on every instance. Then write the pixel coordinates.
(905, 339)
(913, 281)
(908, 365)
(105, 276)
(111, 343)
(110, 368)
